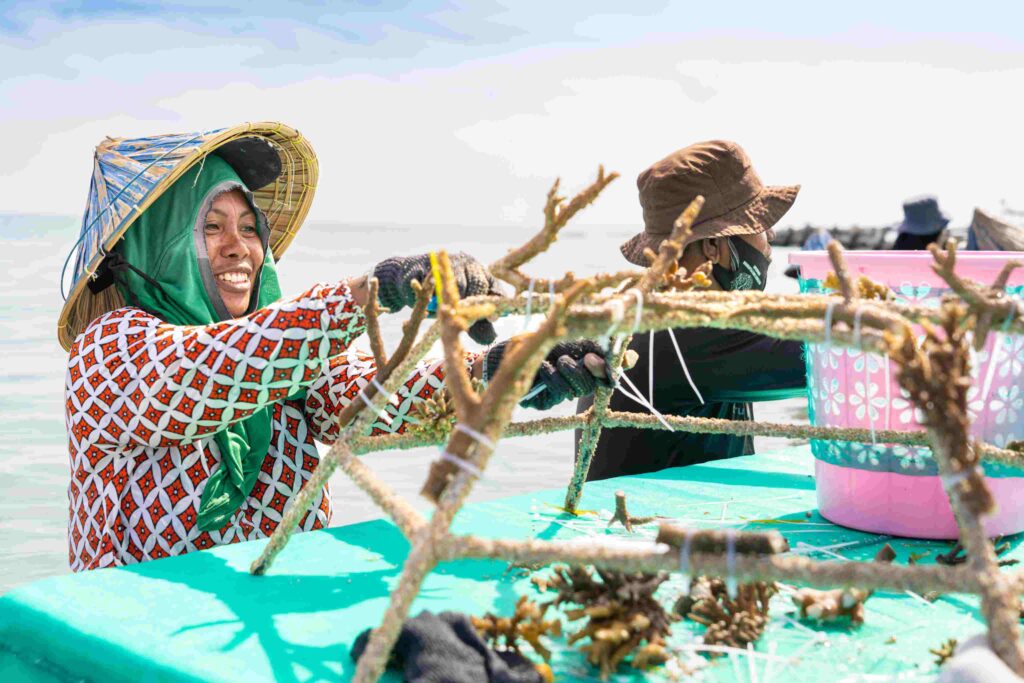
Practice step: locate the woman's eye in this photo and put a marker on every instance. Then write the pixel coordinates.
(250, 229)
(211, 226)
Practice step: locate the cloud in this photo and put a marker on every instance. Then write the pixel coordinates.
(467, 118)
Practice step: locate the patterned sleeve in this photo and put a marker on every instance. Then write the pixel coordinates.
(346, 376)
(133, 378)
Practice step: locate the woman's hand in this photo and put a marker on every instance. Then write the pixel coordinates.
(395, 276)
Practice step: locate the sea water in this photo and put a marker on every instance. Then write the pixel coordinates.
(33, 447)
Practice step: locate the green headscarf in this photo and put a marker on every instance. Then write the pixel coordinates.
(163, 245)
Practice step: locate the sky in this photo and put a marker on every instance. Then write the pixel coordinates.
(464, 113)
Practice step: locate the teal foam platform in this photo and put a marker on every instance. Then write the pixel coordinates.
(203, 617)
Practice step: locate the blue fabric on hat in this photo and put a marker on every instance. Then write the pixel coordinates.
(922, 216)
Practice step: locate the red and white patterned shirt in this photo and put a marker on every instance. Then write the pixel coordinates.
(144, 398)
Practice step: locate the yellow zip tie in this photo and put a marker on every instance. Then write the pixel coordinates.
(435, 267)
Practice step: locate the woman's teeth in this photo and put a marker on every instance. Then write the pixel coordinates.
(234, 278)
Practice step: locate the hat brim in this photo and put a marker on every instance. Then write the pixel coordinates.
(285, 200)
(752, 218)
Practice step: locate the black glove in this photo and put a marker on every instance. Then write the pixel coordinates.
(445, 648)
(562, 373)
(395, 276)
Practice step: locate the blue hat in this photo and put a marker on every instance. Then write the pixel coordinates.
(818, 240)
(921, 216)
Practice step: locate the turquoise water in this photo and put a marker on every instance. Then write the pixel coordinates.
(33, 456)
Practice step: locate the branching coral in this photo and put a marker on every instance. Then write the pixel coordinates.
(613, 306)
(936, 374)
(957, 555)
(434, 417)
(830, 605)
(943, 653)
(732, 621)
(526, 623)
(623, 617)
(865, 287)
(622, 516)
(989, 304)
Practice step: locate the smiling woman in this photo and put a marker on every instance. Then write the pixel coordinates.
(235, 250)
(195, 393)
(192, 410)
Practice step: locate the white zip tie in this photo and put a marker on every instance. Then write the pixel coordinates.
(684, 561)
(856, 327)
(617, 346)
(642, 401)
(638, 316)
(867, 374)
(770, 664)
(734, 660)
(650, 366)
(951, 480)
(888, 392)
(370, 404)
(475, 435)
(828, 323)
(533, 392)
(618, 311)
(991, 370)
(630, 395)
(730, 562)
(725, 649)
(529, 306)
(380, 411)
(686, 370)
(463, 465)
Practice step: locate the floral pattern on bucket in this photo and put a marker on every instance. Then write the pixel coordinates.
(852, 388)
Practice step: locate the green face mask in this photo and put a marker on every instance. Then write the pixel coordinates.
(167, 244)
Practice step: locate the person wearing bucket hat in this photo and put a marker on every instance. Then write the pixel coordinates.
(922, 224)
(703, 372)
(194, 392)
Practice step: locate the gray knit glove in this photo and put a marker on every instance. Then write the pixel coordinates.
(562, 374)
(395, 276)
(446, 648)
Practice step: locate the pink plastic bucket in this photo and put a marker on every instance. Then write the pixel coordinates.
(891, 489)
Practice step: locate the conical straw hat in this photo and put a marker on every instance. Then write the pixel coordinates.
(129, 174)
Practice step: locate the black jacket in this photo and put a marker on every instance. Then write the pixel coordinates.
(729, 367)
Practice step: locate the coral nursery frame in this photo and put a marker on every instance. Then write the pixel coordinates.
(611, 307)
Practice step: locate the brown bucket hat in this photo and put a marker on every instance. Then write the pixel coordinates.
(735, 200)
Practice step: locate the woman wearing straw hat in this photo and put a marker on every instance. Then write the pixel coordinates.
(194, 393)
